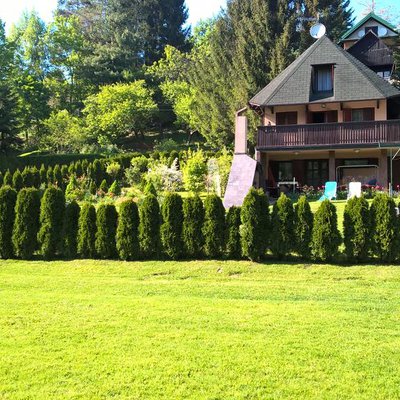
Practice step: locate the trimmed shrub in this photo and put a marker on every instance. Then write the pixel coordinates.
(57, 176)
(7, 180)
(304, 220)
(385, 226)
(70, 230)
(171, 228)
(78, 169)
(49, 176)
(103, 186)
(26, 224)
(85, 164)
(87, 231)
(255, 225)
(150, 189)
(92, 188)
(27, 178)
(233, 243)
(17, 180)
(8, 198)
(70, 190)
(98, 172)
(1, 179)
(71, 169)
(193, 220)
(325, 236)
(106, 222)
(149, 227)
(35, 177)
(43, 175)
(51, 222)
(64, 172)
(115, 189)
(127, 231)
(282, 220)
(214, 227)
(357, 229)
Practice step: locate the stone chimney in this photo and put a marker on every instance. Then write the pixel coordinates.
(241, 128)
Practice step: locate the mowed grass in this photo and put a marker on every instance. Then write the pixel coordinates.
(198, 330)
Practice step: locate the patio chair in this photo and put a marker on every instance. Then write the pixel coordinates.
(330, 191)
(354, 190)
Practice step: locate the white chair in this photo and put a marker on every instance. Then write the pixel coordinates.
(354, 190)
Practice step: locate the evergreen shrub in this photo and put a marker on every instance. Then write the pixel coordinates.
(233, 242)
(214, 227)
(27, 178)
(193, 220)
(49, 176)
(127, 236)
(106, 222)
(304, 221)
(115, 189)
(7, 179)
(17, 180)
(43, 175)
(57, 176)
(8, 198)
(87, 231)
(70, 230)
(150, 189)
(103, 186)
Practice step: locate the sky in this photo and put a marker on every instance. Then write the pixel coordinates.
(198, 9)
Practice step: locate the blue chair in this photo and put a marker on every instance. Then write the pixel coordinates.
(330, 191)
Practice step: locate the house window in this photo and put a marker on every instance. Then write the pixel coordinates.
(285, 171)
(317, 172)
(323, 78)
(286, 118)
(372, 28)
(386, 75)
(359, 115)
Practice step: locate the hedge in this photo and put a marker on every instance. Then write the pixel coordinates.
(304, 221)
(214, 227)
(70, 230)
(127, 231)
(8, 198)
(193, 219)
(149, 227)
(87, 231)
(106, 223)
(233, 244)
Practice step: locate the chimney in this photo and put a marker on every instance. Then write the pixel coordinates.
(241, 128)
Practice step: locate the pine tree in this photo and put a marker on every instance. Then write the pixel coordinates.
(304, 220)
(70, 230)
(214, 227)
(8, 198)
(87, 231)
(193, 219)
(233, 242)
(128, 231)
(106, 222)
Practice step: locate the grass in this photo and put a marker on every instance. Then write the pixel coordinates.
(198, 330)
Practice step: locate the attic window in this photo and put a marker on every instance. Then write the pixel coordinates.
(323, 78)
(372, 28)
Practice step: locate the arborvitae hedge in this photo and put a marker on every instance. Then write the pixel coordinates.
(7, 180)
(87, 231)
(64, 172)
(49, 176)
(51, 221)
(304, 220)
(233, 242)
(193, 220)
(115, 189)
(1, 179)
(103, 186)
(106, 222)
(255, 224)
(17, 180)
(214, 227)
(98, 172)
(171, 228)
(149, 227)
(8, 198)
(26, 224)
(57, 176)
(128, 231)
(35, 177)
(78, 169)
(357, 229)
(43, 174)
(85, 164)
(326, 238)
(70, 230)
(92, 188)
(385, 228)
(150, 189)
(27, 178)
(282, 221)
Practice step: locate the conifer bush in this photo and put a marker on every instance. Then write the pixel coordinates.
(304, 221)
(193, 220)
(49, 176)
(35, 177)
(1, 179)
(70, 230)
(255, 225)
(17, 181)
(385, 228)
(115, 189)
(149, 227)
(92, 188)
(106, 222)
(214, 227)
(7, 179)
(26, 225)
(64, 172)
(98, 172)
(127, 236)
(87, 231)
(150, 189)
(8, 198)
(43, 175)
(78, 169)
(103, 186)
(57, 176)
(27, 178)
(357, 229)
(233, 242)
(326, 237)
(85, 164)
(282, 221)
(171, 228)
(52, 210)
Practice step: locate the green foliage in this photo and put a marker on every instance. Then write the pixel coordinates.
(326, 238)
(113, 169)
(138, 168)
(57, 176)
(193, 220)
(103, 186)
(150, 189)
(194, 172)
(214, 227)
(27, 178)
(106, 222)
(115, 189)
(8, 180)
(87, 231)
(233, 242)
(282, 221)
(127, 236)
(51, 222)
(70, 230)
(92, 188)
(49, 175)
(43, 174)
(35, 177)
(17, 181)
(97, 172)
(71, 189)
(26, 224)
(171, 228)
(255, 225)
(304, 220)
(385, 228)
(8, 198)
(149, 227)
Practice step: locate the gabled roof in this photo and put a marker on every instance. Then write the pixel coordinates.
(366, 19)
(372, 51)
(353, 80)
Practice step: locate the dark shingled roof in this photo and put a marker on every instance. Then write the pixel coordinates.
(353, 80)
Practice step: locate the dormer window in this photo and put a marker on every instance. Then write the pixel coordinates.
(323, 78)
(374, 29)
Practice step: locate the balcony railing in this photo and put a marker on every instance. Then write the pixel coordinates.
(327, 135)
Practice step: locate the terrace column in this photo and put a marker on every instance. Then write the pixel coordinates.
(332, 167)
(383, 169)
(241, 134)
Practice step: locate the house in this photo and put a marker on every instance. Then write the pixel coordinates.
(329, 116)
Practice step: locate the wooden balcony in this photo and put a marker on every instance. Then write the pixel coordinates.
(339, 135)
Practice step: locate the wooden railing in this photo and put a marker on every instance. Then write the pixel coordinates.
(326, 135)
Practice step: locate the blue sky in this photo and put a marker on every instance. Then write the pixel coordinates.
(199, 9)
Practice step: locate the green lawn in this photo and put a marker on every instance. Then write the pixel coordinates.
(198, 330)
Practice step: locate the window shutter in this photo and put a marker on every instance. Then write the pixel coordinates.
(369, 114)
(347, 115)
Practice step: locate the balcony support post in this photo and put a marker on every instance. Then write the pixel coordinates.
(332, 166)
(383, 169)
